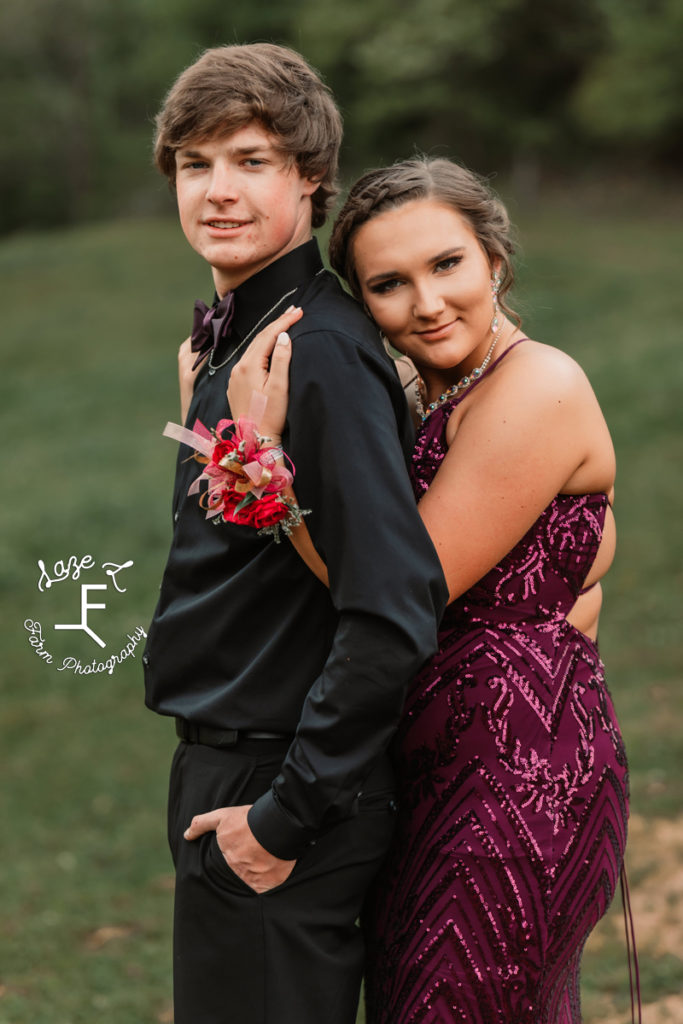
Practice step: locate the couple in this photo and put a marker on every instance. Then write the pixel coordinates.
(452, 640)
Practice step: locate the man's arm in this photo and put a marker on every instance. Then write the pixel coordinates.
(385, 582)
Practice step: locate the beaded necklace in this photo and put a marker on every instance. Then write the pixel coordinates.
(462, 384)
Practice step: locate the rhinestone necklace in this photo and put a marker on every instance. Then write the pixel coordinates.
(217, 366)
(462, 384)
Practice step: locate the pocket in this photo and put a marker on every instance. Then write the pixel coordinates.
(216, 865)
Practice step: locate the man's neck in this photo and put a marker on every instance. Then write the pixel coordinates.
(225, 282)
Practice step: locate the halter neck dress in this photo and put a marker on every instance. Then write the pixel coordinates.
(514, 788)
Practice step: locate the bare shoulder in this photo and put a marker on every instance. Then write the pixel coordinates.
(533, 383)
(544, 370)
(538, 408)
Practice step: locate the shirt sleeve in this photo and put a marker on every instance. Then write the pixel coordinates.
(386, 582)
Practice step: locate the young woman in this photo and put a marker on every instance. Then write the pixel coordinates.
(512, 770)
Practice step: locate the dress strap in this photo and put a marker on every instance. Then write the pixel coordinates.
(631, 952)
(502, 355)
(491, 366)
(449, 404)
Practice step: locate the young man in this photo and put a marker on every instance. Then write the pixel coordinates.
(285, 694)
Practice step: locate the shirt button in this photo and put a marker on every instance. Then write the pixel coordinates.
(145, 660)
(176, 517)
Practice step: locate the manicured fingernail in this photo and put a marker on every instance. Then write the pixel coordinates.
(282, 339)
(290, 309)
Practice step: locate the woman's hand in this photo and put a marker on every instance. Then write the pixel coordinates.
(264, 368)
(186, 376)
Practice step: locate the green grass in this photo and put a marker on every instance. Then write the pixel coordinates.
(91, 322)
(606, 291)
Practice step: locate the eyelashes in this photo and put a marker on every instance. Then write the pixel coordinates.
(390, 284)
(384, 287)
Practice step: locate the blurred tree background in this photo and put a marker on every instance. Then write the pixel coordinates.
(536, 90)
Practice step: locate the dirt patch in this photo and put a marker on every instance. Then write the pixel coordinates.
(654, 863)
(655, 853)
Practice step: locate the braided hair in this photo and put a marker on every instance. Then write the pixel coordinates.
(441, 180)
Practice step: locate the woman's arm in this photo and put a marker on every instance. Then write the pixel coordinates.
(532, 430)
(264, 368)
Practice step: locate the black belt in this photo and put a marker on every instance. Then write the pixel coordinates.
(209, 737)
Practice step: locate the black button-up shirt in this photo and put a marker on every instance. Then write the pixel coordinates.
(244, 636)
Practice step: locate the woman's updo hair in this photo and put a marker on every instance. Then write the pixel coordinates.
(424, 178)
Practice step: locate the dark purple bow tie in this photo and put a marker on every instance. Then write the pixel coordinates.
(210, 324)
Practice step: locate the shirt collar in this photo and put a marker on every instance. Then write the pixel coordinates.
(258, 293)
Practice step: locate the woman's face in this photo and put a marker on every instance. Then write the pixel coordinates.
(426, 280)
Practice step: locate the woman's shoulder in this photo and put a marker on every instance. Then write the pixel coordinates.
(538, 358)
(532, 385)
(533, 371)
(538, 410)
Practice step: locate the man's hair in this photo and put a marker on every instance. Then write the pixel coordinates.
(229, 87)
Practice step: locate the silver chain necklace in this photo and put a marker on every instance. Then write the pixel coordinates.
(218, 366)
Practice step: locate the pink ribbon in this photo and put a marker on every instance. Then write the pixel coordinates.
(260, 465)
(200, 438)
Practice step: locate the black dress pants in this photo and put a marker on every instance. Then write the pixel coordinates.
(293, 955)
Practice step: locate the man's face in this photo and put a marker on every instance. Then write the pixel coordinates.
(241, 205)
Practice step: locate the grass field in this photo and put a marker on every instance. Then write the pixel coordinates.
(91, 319)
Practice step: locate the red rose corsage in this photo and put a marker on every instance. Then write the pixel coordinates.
(245, 479)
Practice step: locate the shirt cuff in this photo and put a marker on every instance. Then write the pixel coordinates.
(276, 829)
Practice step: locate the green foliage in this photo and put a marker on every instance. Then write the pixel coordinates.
(80, 82)
(631, 94)
(527, 85)
(484, 81)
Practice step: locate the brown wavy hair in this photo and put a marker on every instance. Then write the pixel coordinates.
(229, 87)
(425, 178)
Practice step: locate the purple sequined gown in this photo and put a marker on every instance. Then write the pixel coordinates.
(514, 792)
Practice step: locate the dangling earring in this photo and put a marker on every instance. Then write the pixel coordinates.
(495, 288)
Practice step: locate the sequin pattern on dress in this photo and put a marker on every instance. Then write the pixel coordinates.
(515, 792)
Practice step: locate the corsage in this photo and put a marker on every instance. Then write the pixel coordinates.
(245, 479)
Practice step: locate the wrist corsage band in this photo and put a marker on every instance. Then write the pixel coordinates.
(246, 480)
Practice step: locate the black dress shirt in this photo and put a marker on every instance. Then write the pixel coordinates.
(244, 636)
